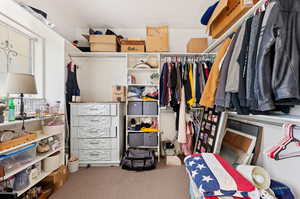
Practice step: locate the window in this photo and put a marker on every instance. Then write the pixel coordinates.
(21, 51)
(15, 51)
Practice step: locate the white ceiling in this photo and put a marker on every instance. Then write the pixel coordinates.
(71, 15)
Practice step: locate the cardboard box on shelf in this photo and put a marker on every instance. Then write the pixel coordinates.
(57, 178)
(102, 43)
(157, 39)
(119, 93)
(132, 46)
(197, 45)
(226, 14)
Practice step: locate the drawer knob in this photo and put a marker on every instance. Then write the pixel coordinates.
(94, 109)
(94, 143)
(94, 154)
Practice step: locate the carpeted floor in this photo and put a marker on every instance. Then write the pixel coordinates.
(165, 182)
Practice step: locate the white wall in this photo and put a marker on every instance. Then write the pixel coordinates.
(53, 48)
(178, 38)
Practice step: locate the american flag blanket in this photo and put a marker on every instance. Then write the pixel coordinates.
(214, 178)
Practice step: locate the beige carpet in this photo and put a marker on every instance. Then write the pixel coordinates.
(165, 182)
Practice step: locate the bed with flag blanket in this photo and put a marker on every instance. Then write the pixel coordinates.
(213, 178)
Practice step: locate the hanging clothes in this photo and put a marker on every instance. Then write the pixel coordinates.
(239, 99)
(208, 97)
(164, 91)
(191, 101)
(251, 65)
(278, 77)
(232, 84)
(182, 119)
(72, 89)
(220, 100)
(191, 75)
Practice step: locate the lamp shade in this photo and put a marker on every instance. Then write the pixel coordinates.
(17, 83)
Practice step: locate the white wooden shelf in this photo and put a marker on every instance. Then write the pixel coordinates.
(279, 119)
(133, 131)
(144, 147)
(99, 54)
(144, 85)
(142, 115)
(29, 120)
(124, 54)
(143, 70)
(40, 178)
(39, 138)
(38, 159)
(141, 100)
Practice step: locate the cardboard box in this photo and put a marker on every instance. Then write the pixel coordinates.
(57, 178)
(157, 39)
(197, 45)
(102, 43)
(119, 93)
(226, 14)
(132, 46)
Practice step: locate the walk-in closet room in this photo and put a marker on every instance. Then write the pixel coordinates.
(149, 99)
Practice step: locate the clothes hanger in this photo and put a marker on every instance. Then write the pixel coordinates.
(289, 138)
(280, 156)
(271, 152)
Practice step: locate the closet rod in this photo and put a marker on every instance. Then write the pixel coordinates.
(248, 14)
(280, 124)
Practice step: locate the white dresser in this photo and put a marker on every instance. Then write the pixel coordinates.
(97, 136)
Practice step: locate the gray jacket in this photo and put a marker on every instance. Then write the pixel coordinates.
(232, 84)
(278, 58)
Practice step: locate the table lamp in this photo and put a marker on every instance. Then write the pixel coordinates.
(19, 83)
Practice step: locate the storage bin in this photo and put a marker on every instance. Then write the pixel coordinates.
(22, 180)
(136, 139)
(73, 166)
(151, 139)
(135, 108)
(150, 108)
(18, 158)
(51, 163)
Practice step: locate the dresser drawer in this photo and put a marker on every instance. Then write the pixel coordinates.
(94, 121)
(97, 155)
(108, 143)
(93, 132)
(94, 109)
